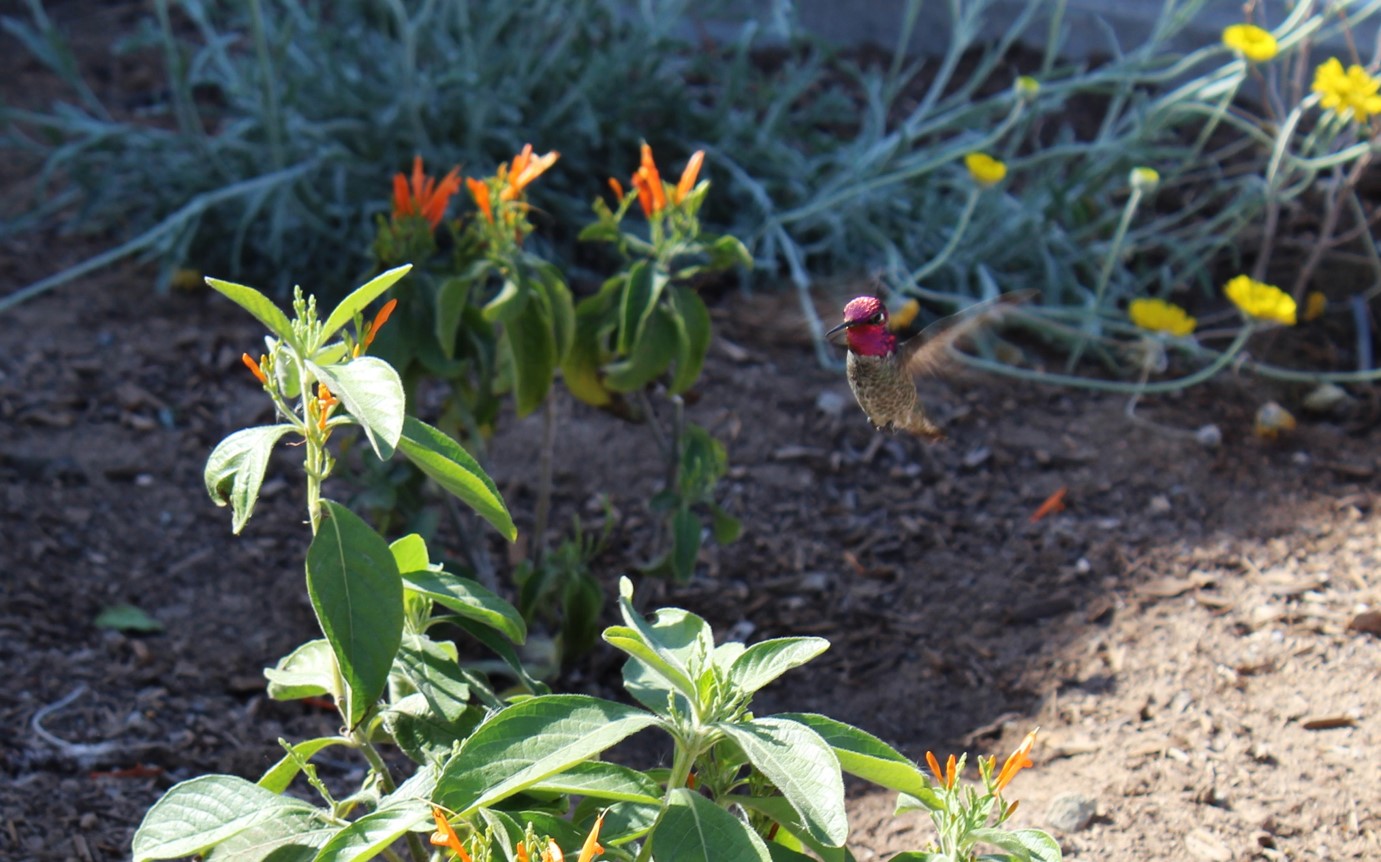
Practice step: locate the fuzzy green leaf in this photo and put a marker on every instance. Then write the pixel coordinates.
(372, 392)
(373, 833)
(235, 471)
(282, 773)
(531, 741)
(358, 598)
(862, 754)
(693, 333)
(294, 836)
(359, 298)
(533, 342)
(308, 671)
(196, 815)
(694, 829)
(802, 767)
(607, 781)
(765, 661)
(469, 599)
(258, 305)
(451, 466)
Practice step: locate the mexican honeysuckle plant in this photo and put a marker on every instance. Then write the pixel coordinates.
(509, 774)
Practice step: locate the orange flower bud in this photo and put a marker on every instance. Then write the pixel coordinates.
(254, 368)
(480, 192)
(689, 175)
(379, 320)
(617, 187)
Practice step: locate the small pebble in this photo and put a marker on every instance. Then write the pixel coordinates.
(1071, 812)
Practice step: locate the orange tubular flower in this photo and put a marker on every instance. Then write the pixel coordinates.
(423, 196)
(524, 170)
(553, 852)
(379, 320)
(647, 172)
(325, 401)
(254, 368)
(480, 192)
(592, 847)
(617, 187)
(689, 175)
(520, 850)
(945, 777)
(644, 194)
(1020, 759)
(445, 836)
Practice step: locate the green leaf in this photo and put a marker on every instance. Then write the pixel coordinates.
(531, 741)
(581, 367)
(765, 661)
(503, 649)
(358, 598)
(641, 290)
(372, 392)
(726, 527)
(127, 618)
(469, 599)
(430, 669)
(694, 829)
(358, 299)
(560, 305)
(925, 800)
(425, 735)
(692, 320)
(201, 813)
(410, 553)
(451, 299)
(506, 304)
(294, 836)
(651, 354)
(533, 343)
(308, 671)
(728, 251)
(802, 767)
(1026, 845)
(235, 471)
(607, 781)
(862, 754)
(374, 832)
(258, 305)
(644, 655)
(451, 466)
(282, 773)
(685, 543)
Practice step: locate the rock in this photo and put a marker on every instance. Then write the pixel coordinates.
(1071, 812)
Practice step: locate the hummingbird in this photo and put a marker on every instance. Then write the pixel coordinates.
(881, 369)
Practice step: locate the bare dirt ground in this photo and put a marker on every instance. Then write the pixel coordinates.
(1196, 633)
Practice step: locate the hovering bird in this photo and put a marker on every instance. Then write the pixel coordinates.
(881, 370)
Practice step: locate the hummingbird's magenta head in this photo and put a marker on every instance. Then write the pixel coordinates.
(865, 310)
(865, 321)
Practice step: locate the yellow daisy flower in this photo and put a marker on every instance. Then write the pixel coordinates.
(1261, 301)
(1251, 41)
(985, 170)
(1343, 91)
(1157, 315)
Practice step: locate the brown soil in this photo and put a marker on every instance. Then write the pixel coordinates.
(1196, 633)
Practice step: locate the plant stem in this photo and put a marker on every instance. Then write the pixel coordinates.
(1105, 274)
(958, 233)
(543, 509)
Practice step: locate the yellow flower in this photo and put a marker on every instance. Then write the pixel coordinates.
(1262, 301)
(1343, 91)
(985, 170)
(904, 316)
(1251, 42)
(1028, 87)
(1144, 179)
(1158, 315)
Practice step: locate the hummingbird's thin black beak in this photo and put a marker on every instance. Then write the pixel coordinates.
(845, 325)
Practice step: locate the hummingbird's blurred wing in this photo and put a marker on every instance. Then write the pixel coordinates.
(928, 351)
